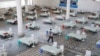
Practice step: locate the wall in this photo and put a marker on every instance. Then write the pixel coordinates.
(42, 2)
(86, 5)
(6, 0)
(10, 3)
(6, 4)
(48, 2)
(89, 5)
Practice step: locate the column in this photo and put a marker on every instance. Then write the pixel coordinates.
(19, 18)
(26, 5)
(68, 9)
(32, 2)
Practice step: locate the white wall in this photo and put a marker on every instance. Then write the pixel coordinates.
(7, 4)
(41, 2)
(86, 5)
(6, 0)
(89, 5)
(47, 2)
(12, 3)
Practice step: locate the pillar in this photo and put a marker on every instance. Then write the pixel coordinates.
(68, 9)
(32, 2)
(26, 5)
(19, 18)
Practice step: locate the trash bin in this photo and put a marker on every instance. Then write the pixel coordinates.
(98, 44)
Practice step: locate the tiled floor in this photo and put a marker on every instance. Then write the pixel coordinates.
(72, 46)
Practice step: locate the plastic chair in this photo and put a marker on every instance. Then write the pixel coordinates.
(54, 44)
(83, 33)
(66, 37)
(10, 29)
(41, 51)
(83, 18)
(35, 40)
(59, 29)
(32, 36)
(78, 31)
(62, 48)
(88, 53)
(97, 26)
(10, 32)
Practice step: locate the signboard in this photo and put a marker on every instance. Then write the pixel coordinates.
(73, 3)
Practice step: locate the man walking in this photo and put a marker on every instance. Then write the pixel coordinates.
(50, 36)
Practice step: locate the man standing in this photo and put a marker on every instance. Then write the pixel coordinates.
(50, 36)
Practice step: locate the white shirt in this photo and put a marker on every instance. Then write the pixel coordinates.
(50, 33)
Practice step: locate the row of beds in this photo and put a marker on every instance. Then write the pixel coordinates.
(78, 34)
(44, 13)
(50, 21)
(57, 30)
(31, 41)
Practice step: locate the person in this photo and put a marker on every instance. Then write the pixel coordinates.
(50, 34)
